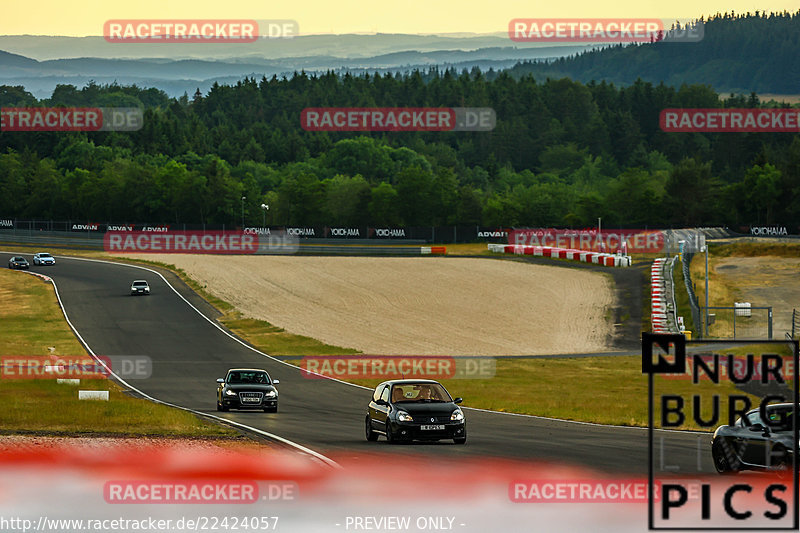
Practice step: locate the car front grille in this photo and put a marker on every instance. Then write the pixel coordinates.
(250, 397)
(431, 419)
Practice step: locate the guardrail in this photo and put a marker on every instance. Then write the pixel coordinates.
(686, 260)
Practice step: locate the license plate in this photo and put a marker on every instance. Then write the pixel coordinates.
(251, 400)
(432, 428)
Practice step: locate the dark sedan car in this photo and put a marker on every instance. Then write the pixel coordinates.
(247, 388)
(18, 262)
(756, 444)
(414, 409)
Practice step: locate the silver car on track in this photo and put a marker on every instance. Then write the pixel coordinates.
(43, 258)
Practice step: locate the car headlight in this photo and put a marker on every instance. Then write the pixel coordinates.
(229, 392)
(271, 394)
(402, 416)
(457, 416)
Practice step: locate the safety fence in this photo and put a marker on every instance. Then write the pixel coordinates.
(739, 322)
(78, 241)
(332, 235)
(686, 261)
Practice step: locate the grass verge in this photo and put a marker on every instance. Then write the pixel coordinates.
(723, 291)
(34, 325)
(603, 390)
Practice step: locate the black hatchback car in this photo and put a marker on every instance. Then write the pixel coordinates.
(414, 409)
(247, 388)
(18, 262)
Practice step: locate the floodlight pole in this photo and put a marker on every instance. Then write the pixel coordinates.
(264, 208)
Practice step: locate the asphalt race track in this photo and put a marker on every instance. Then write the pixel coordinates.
(189, 354)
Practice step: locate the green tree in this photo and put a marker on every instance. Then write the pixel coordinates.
(346, 200)
(384, 207)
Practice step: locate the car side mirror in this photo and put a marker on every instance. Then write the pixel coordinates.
(458, 400)
(276, 381)
(381, 401)
(220, 380)
(759, 427)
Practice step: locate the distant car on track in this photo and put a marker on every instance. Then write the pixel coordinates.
(752, 443)
(140, 286)
(18, 262)
(247, 388)
(43, 258)
(414, 409)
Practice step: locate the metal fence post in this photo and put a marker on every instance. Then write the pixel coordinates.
(769, 328)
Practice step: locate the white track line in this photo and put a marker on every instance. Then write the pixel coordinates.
(216, 325)
(316, 455)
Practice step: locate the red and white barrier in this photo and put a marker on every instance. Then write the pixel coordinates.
(658, 298)
(597, 258)
(433, 250)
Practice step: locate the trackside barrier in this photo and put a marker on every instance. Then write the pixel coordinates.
(433, 250)
(597, 258)
(662, 298)
(93, 395)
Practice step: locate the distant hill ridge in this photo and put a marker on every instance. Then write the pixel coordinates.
(739, 53)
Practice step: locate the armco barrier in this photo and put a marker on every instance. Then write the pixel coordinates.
(662, 298)
(597, 258)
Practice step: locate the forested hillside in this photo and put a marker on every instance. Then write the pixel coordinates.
(742, 53)
(562, 154)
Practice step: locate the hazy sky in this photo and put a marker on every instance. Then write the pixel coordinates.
(86, 17)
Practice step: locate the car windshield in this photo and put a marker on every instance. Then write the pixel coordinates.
(139, 283)
(780, 418)
(18, 259)
(419, 392)
(45, 255)
(245, 376)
